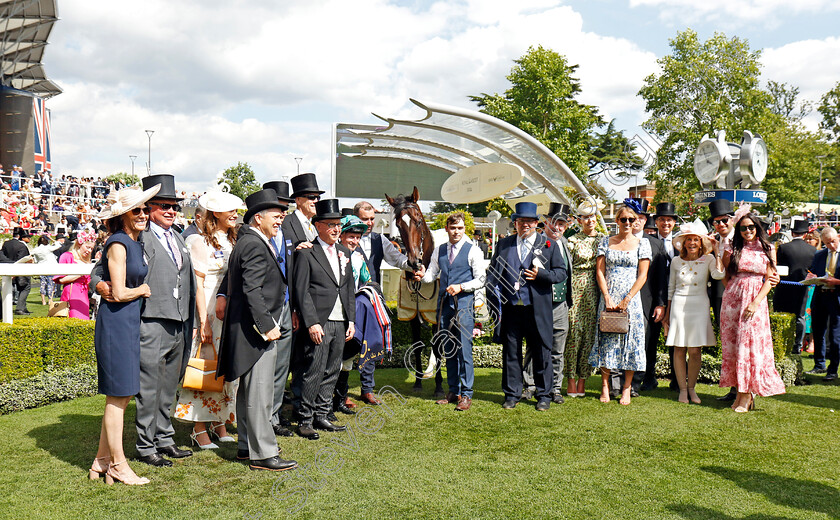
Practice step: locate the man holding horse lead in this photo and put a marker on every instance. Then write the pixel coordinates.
(523, 270)
(374, 246)
(459, 265)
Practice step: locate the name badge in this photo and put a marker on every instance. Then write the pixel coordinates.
(218, 254)
(175, 292)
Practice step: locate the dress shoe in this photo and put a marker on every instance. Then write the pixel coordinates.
(273, 464)
(242, 455)
(728, 397)
(558, 398)
(509, 403)
(449, 399)
(816, 371)
(634, 393)
(282, 431)
(369, 398)
(282, 421)
(543, 404)
(174, 452)
(464, 404)
(23, 313)
(349, 403)
(343, 408)
(155, 460)
(331, 417)
(527, 395)
(307, 432)
(830, 377)
(327, 426)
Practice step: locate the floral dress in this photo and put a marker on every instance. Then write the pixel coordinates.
(583, 316)
(194, 405)
(747, 345)
(622, 351)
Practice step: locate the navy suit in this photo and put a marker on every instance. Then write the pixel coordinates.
(525, 308)
(790, 297)
(825, 310)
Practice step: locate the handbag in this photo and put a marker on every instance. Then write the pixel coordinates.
(59, 310)
(614, 322)
(201, 373)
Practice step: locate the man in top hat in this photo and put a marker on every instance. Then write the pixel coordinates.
(654, 296)
(522, 272)
(14, 250)
(375, 246)
(825, 306)
(166, 323)
(722, 213)
(666, 219)
(791, 295)
(556, 222)
(324, 299)
(256, 290)
(298, 226)
(460, 267)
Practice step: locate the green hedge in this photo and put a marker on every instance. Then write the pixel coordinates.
(31, 345)
(50, 386)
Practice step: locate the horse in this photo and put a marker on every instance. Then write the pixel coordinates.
(419, 244)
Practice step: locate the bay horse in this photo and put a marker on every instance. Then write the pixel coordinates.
(419, 245)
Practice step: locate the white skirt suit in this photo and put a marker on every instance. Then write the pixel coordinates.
(690, 320)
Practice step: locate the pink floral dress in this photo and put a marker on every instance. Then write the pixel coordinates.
(76, 293)
(747, 345)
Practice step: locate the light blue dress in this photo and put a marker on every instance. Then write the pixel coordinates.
(622, 351)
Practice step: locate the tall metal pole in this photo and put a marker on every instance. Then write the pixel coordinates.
(149, 164)
(132, 157)
(820, 193)
(297, 160)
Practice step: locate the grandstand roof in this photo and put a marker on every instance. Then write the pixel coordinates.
(25, 26)
(426, 151)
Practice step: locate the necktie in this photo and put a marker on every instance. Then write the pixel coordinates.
(173, 248)
(523, 251)
(451, 253)
(832, 263)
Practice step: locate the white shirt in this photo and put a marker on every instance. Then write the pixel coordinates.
(308, 228)
(337, 312)
(159, 233)
(529, 241)
(668, 242)
(390, 254)
(474, 257)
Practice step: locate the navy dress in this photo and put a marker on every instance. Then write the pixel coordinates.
(117, 334)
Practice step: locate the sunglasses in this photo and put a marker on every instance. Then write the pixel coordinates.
(627, 220)
(721, 220)
(135, 212)
(313, 197)
(748, 227)
(166, 207)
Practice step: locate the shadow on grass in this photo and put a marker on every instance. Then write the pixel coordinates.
(694, 512)
(74, 439)
(817, 401)
(819, 497)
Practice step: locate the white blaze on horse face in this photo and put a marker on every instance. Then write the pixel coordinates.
(406, 219)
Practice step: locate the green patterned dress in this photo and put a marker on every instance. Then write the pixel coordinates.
(584, 312)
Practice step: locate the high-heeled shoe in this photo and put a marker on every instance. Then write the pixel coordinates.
(211, 446)
(111, 477)
(96, 474)
(747, 408)
(225, 438)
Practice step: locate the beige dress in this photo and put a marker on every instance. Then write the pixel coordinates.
(194, 405)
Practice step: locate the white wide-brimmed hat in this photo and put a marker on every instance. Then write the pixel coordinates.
(589, 206)
(220, 201)
(126, 199)
(696, 228)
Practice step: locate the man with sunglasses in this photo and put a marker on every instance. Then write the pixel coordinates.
(298, 226)
(165, 324)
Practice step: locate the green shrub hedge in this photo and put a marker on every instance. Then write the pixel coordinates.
(31, 345)
(50, 386)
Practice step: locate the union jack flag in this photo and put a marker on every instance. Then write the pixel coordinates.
(43, 156)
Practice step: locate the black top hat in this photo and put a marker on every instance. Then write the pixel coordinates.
(167, 186)
(327, 208)
(559, 211)
(666, 209)
(282, 189)
(21, 232)
(260, 200)
(305, 183)
(644, 203)
(720, 207)
(650, 224)
(346, 212)
(800, 227)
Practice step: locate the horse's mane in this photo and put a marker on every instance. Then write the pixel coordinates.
(400, 201)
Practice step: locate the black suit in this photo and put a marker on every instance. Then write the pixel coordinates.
(293, 230)
(14, 250)
(316, 290)
(797, 255)
(256, 295)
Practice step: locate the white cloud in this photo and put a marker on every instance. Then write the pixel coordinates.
(727, 12)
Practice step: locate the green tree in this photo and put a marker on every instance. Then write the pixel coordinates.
(714, 85)
(126, 178)
(829, 109)
(439, 222)
(542, 102)
(241, 180)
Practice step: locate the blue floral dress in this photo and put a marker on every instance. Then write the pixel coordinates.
(622, 351)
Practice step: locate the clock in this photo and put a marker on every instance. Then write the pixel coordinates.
(752, 161)
(711, 160)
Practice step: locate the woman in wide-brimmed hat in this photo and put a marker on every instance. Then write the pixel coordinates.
(210, 250)
(687, 322)
(117, 333)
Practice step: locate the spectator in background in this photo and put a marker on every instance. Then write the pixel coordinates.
(43, 254)
(14, 250)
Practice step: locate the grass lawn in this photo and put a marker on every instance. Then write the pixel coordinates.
(654, 459)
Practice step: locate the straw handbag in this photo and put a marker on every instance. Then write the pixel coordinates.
(201, 373)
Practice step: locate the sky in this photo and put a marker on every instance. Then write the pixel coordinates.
(263, 82)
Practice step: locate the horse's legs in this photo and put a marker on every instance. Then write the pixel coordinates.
(415, 337)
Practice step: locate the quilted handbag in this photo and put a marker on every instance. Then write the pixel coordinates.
(614, 322)
(201, 373)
